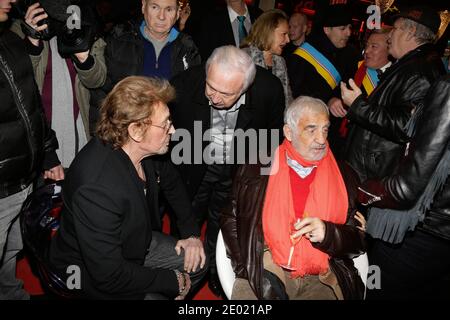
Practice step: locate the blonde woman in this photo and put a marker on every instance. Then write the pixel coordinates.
(265, 43)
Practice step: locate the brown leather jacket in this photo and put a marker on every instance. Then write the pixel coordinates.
(241, 226)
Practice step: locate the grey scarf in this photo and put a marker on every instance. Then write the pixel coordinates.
(69, 131)
(392, 225)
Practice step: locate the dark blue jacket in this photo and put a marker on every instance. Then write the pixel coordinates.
(125, 53)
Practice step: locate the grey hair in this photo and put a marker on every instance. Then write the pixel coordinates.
(232, 58)
(423, 34)
(299, 106)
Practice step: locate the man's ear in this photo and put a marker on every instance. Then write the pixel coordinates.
(327, 30)
(135, 132)
(143, 6)
(411, 33)
(287, 132)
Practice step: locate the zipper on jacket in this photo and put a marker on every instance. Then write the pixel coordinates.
(17, 95)
(370, 201)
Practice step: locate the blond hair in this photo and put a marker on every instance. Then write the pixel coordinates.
(262, 33)
(132, 100)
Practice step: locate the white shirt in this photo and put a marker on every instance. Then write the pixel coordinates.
(235, 23)
(223, 124)
(383, 69)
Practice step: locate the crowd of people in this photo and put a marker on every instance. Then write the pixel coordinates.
(304, 150)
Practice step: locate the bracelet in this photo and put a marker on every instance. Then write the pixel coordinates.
(181, 281)
(194, 237)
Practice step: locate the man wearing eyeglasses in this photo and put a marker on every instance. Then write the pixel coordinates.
(110, 218)
(212, 104)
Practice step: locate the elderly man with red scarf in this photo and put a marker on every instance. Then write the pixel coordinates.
(306, 203)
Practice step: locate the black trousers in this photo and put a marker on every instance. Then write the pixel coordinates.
(162, 254)
(208, 202)
(418, 268)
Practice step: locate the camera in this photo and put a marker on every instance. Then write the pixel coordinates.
(21, 7)
(71, 39)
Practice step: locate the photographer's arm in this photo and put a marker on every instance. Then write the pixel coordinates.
(33, 17)
(90, 65)
(38, 54)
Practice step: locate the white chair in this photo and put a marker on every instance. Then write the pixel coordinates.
(362, 265)
(227, 276)
(224, 268)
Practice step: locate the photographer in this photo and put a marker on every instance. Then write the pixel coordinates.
(64, 82)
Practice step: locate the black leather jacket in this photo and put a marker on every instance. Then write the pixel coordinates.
(25, 138)
(124, 56)
(241, 226)
(404, 187)
(378, 137)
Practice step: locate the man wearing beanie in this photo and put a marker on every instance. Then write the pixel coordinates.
(382, 118)
(322, 61)
(405, 242)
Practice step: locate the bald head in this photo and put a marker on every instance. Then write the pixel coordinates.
(298, 24)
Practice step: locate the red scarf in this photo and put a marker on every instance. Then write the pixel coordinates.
(327, 200)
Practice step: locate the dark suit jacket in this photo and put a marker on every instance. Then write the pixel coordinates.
(216, 30)
(107, 221)
(263, 109)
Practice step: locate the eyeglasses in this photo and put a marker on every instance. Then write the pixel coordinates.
(166, 127)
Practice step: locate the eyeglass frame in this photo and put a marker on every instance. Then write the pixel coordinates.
(169, 122)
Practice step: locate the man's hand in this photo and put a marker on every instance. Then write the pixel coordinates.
(56, 173)
(312, 228)
(337, 108)
(194, 254)
(350, 95)
(33, 16)
(82, 56)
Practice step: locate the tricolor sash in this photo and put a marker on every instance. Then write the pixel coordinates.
(367, 77)
(322, 65)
